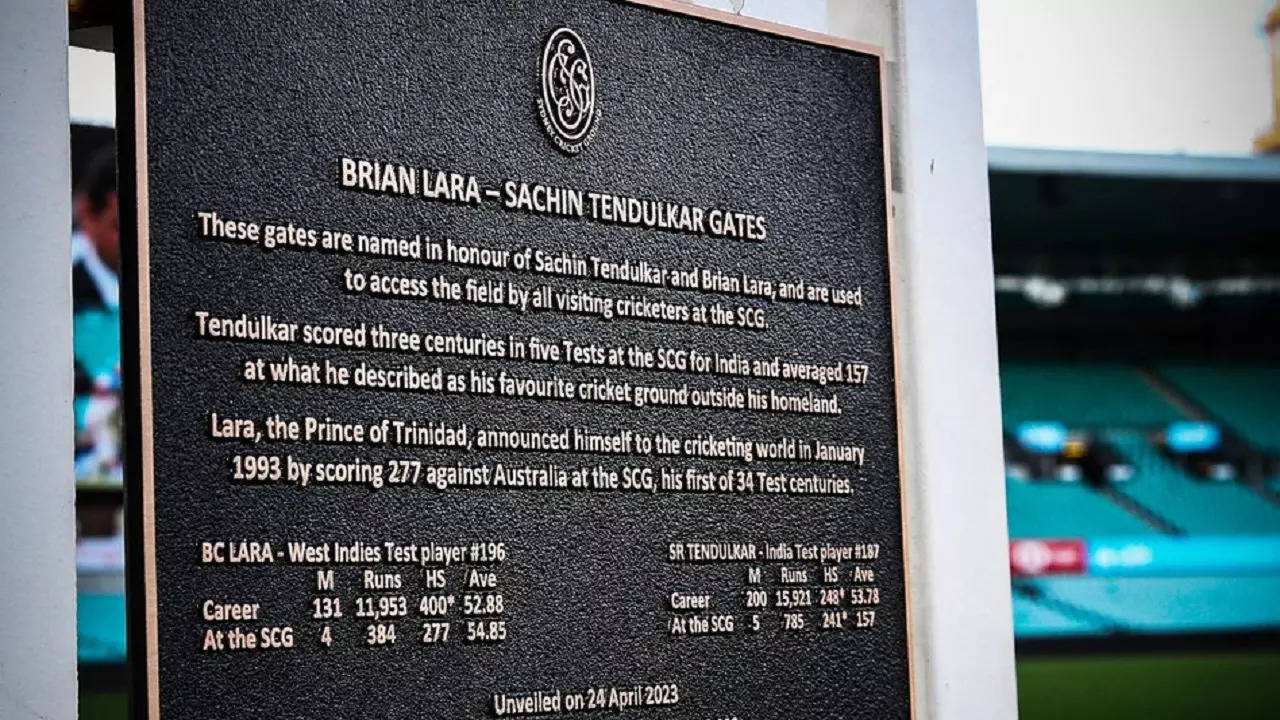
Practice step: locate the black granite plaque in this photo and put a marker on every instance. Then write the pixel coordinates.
(508, 359)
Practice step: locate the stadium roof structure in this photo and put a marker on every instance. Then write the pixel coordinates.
(1245, 168)
(1183, 248)
(1070, 212)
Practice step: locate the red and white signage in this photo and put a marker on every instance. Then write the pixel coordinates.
(1047, 557)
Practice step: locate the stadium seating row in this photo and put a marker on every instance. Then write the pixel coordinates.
(1048, 607)
(100, 627)
(1245, 396)
(1081, 395)
(1190, 504)
(1060, 510)
(1122, 409)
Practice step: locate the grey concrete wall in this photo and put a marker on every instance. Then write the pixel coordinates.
(37, 486)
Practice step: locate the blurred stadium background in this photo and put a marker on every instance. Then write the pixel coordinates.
(1138, 306)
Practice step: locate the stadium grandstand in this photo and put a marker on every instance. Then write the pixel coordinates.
(1137, 302)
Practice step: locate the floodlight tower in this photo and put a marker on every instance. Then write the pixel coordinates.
(1269, 140)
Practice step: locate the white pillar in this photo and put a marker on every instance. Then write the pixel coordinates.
(37, 486)
(958, 532)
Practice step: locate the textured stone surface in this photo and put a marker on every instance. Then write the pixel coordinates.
(252, 103)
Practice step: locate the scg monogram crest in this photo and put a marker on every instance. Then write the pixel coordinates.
(568, 104)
